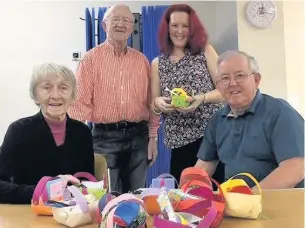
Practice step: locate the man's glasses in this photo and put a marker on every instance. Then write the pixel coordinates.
(116, 20)
(238, 78)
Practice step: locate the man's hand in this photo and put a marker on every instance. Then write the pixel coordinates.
(152, 151)
(289, 173)
(208, 166)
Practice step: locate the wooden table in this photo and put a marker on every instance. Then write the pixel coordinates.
(281, 209)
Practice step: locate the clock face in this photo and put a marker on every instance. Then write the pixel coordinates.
(261, 14)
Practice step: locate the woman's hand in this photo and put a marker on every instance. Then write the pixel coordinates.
(195, 102)
(161, 104)
(71, 179)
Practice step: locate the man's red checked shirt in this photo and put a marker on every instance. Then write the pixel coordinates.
(112, 88)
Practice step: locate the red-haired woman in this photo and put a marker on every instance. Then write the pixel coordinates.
(187, 61)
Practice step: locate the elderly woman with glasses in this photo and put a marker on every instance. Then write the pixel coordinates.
(49, 143)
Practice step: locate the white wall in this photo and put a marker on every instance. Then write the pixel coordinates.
(33, 32)
(293, 14)
(279, 51)
(267, 46)
(226, 30)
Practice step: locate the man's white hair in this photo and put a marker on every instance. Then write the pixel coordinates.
(252, 61)
(107, 14)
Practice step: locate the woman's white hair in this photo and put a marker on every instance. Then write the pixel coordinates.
(252, 61)
(47, 70)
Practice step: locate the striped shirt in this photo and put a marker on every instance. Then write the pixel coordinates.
(113, 88)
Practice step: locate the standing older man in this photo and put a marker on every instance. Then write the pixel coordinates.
(254, 133)
(114, 93)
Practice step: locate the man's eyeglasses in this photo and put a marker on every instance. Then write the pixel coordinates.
(238, 78)
(116, 20)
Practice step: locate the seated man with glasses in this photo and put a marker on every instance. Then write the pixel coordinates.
(254, 132)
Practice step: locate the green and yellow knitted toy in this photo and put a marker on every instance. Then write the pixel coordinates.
(179, 97)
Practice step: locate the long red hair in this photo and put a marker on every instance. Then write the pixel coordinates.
(197, 33)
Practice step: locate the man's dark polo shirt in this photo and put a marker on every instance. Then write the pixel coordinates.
(269, 132)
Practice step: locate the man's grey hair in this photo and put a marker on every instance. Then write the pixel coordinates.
(44, 71)
(107, 14)
(254, 68)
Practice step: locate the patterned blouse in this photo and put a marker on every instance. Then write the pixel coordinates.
(192, 73)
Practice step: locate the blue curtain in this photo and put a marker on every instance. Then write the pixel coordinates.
(88, 25)
(101, 35)
(93, 27)
(151, 16)
(95, 34)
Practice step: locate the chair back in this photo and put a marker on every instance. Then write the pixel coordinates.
(100, 167)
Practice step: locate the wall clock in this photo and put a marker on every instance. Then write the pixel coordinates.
(261, 14)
